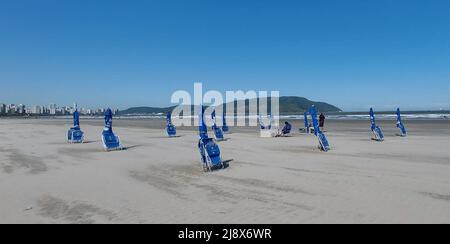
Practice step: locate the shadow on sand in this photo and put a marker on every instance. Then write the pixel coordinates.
(224, 140)
(165, 137)
(130, 147)
(89, 142)
(226, 163)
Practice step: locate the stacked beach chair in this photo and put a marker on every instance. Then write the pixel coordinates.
(75, 134)
(111, 141)
(209, 150)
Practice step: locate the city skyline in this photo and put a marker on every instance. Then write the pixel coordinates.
(51, 109)
(56, 110)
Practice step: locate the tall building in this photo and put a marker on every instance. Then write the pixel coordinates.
(35, 110)
(100, 111)
(45, 110)
(2, 108)
(52, 109)
(20, 109)
(11, 109)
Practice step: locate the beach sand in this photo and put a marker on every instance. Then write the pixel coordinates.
(270, 180)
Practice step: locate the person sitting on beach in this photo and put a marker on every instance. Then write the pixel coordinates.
(286, 129)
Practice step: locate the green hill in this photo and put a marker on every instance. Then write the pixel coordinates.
(298, 105)
(145, 110)
(288, 105)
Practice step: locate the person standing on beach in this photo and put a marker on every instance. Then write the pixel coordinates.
(321, 120)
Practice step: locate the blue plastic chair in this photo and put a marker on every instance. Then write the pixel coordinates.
(210, 154)
(264, 126)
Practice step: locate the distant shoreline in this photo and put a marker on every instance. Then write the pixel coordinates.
(415, 115)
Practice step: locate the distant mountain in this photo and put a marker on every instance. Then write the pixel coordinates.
(292, 106)
(288, 105)
(298, 105)
(145, 110)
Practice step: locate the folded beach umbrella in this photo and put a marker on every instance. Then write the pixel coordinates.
(225, 127)
(306, 120)
(218, 133)
(75, 135)
(400, 124)
(379, 136)
(110, 141)
(202, 128)
(323, 142)
(170, 128)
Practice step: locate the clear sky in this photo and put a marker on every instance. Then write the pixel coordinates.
(351, 53)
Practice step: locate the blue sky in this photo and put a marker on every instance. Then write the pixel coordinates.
(353, 54)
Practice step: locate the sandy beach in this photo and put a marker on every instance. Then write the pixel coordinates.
(270, 180)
